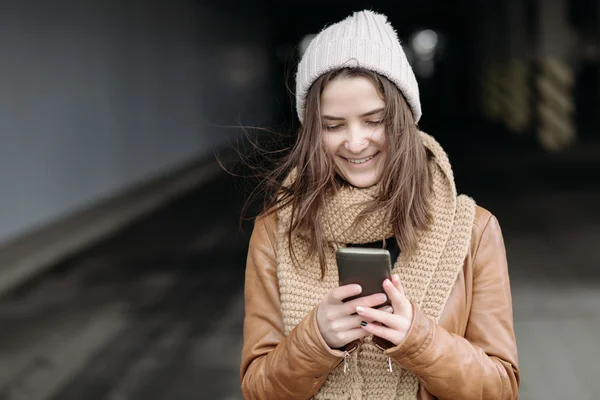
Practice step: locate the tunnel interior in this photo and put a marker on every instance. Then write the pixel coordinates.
(103, 104)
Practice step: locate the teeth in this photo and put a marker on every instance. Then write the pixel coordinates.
(362, 160)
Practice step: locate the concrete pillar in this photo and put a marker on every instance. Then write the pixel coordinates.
(517, 110)
(507, 52)
(555, 41)
(492, 47)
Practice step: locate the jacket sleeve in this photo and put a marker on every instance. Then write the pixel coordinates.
(483, 364)
(275, 366)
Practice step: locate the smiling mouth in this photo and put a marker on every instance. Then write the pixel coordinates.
(361, 160)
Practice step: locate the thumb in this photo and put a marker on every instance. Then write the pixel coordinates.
(398, 284)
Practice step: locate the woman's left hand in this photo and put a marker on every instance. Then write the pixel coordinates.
(395, 326)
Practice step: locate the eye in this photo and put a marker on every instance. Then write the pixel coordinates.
(332, 127)
(378, 122)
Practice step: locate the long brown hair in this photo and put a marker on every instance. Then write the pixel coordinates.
(405, 187)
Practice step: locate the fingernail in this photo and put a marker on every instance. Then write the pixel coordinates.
(389, 309)
(363, 323)
(359, 309)
(396, 277)
(387, 282)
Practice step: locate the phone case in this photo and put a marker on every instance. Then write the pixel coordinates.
(365, 266)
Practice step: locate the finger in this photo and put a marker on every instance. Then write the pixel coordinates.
(398, 283)
(387, 309)
(367, 301)
(383, 332)
(340, 293)
(398, 298)
(354, 334)
(348, 323)
(383, 317)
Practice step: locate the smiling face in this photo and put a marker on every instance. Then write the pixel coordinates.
(352, 113)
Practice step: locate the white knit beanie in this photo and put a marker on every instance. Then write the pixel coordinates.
(365, 39)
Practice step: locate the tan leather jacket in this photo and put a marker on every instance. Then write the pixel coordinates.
(470, 354)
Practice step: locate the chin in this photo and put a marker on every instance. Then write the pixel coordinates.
(360, 182)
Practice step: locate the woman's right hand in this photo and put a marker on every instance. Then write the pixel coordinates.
(338, 322)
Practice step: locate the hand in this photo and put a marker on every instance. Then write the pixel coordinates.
(395, 325)
(335, 319)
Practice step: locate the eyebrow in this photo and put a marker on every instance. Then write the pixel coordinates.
(377, 110)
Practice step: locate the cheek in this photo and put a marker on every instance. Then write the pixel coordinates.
(379, 139)
(383, 138)
(330, 144)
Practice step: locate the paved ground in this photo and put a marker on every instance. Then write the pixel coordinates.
(548, 207)
(156, 313)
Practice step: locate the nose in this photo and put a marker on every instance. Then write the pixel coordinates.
(357, 141)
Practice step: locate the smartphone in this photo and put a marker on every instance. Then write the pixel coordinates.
(365, 266)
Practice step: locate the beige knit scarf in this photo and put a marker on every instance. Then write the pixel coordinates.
(428, 275)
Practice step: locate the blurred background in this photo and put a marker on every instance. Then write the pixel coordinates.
(122, 256)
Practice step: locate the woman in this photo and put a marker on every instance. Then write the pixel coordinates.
(362, 174)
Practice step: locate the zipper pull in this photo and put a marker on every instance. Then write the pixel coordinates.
(346, 357)
(390, 369)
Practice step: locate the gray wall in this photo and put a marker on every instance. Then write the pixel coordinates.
(97, 96)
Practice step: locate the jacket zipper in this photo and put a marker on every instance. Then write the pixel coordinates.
(345, 358)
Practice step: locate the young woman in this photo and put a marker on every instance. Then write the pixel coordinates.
(362, 174)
